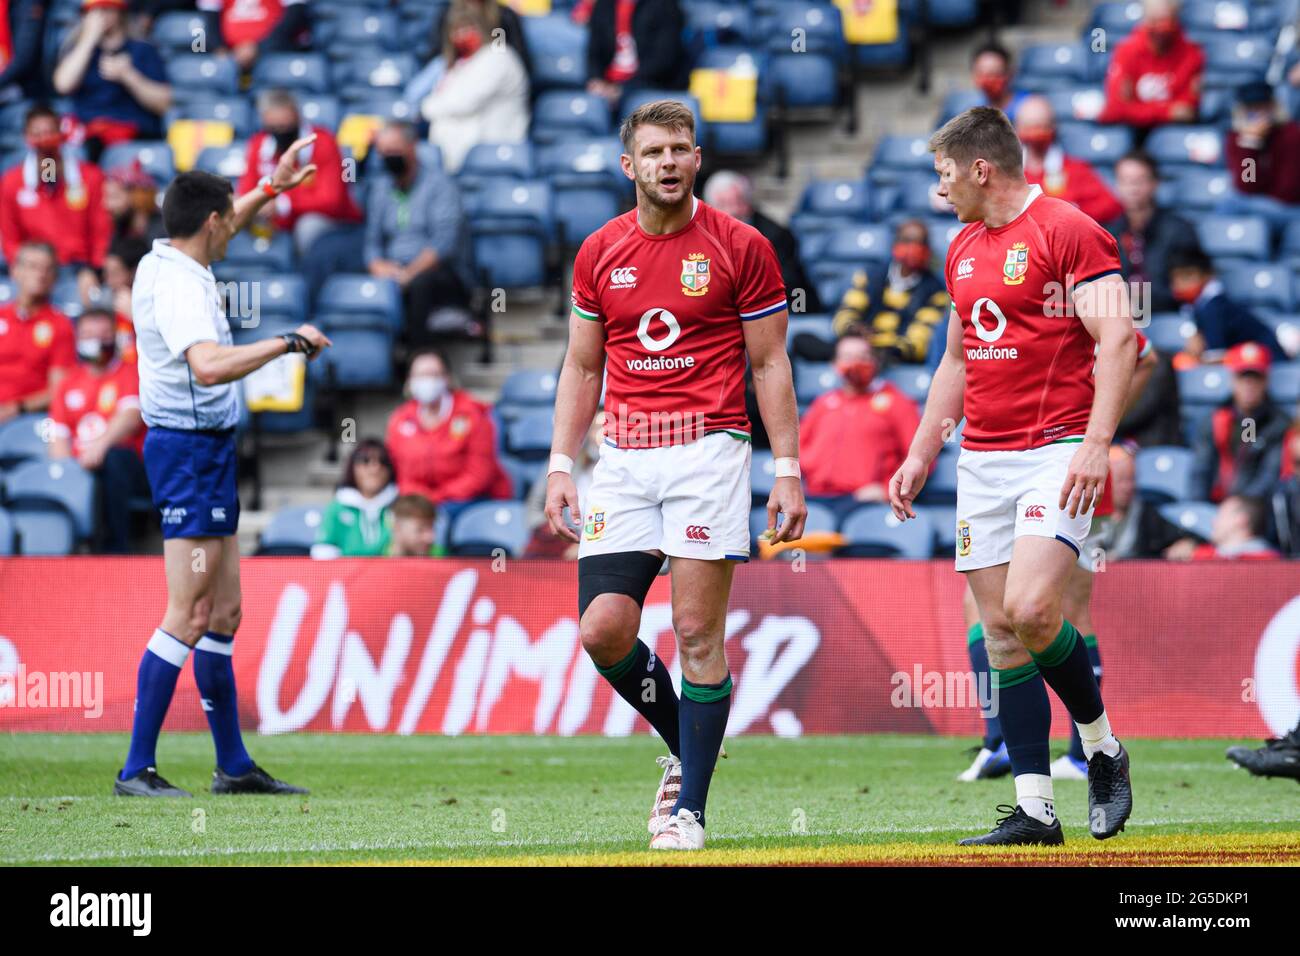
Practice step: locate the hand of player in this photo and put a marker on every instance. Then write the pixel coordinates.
(1089, 469)
(316, 337)
(562, 493)
(906, 485)
(287, 175)
(786, 499)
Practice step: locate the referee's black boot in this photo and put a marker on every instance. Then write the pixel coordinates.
(256, 780)
(147, 783)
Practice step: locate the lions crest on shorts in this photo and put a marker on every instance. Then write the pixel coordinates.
(1017, 264)
(963, 539)
(695, 274)
(595, 524)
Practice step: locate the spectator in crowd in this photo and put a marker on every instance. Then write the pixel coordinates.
(1147, 234)
(1238, 448)
(414, 518)
(1286, 500)
(1155, 74)
(114, 293)
(1060, 175)
(415, 231)
(250, 28)
(733, 193)
(22, 28)
(55, 198)
(482, 96)
(545, 543)
(853, 438)
(96, 416)
(1134, 528)
(1237, 533)
(495, 16)
(990, 73)
(442, 441)
(635, 43)
(319, 204)
(1221, 322)
(896, 304)
(131, 198)
(118, 85)
(358, 522)
(37, 346)
(1261, 154)
(1152, 418)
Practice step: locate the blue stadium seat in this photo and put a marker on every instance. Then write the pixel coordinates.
(22, 438)
(1099, 145)
(747, 136)
(912, 380)
(372, 70)
(1204, 385)
(897, 155)
(820, 519)
(871, 530)
(43, 531)
(481, 528)
(308, 72)
(320, 110)
(812, 379)
(154, 156)
(247, 253)
(1195, 187)
(849, 198)
(506, 160)
(66, 297)
(1170, 332)
(386, 103)
(941, 487)
(558, 49)
(1245, 56)
(560, 115)
(1044, 66)
(1284, 383)
(176, 32)
(530, 386)
(228, 161)
(292, 531)
(810, 77)
(1117, 19)
(1164, 473)
(856, 245)
(235, 110)
(918, 195)
(362, 293)
(266, 326)
(943, 518)
(588, 187)
(951, 13)
(1264, 284)
(44, 485)
(283, 296)
(1186, 145)
(762, 475)
(192, 74)
(510, 232)
(943, 230)
(7, 542)
(1077, 103)
(366, 30)
(1228, 15)
(362, 354)
(528, 436)
(893, 55)
(957, 102)
(1194, 517)
(815, 325)
(523, 474)
(1233, 237)
(710, 24)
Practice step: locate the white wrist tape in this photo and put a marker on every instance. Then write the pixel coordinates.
(560, 463)
(787, 467)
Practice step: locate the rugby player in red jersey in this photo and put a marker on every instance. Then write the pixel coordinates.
(669, 300)
(1036, 288)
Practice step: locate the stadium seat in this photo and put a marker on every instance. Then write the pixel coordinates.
(283, 296)
(1169, 333)
(359, 74)
(1177, 145)
(22, 438)
(560, 115)
(235, 110)
(1198, 188)
(529, 386)
(1264, 284)
(1204, 385)
(366, 30)
(957, 102)
(812, 379)
(710, 24)
(745, 132)
(943, 230)
(1284, 383)
(510, 231)
(292, 531)
(951, 13)
(308, 72)
(912, 380)
(810, 77)
(1045, 66)
(815, 325)
(941, 487)
(1164, 473)
(1194, 517)
(1244, 56)
(1077, 103)
(917, 194)
(7, 543)
(42, 485)
(1099, 145)
(228, 161)
(363, 293)
(197, 74)
(857, 245)
(528, 436)
(175, 32)
(1116, 19)
(499, 160)
(898, 155)
(320, 110)
(894, 54)
(1233, 237)
(558, 49)
(43, 531)
(523, 474)
(872, 531)
(248, 253)
(362, 354)
(154, 155)
(1228, 15)
(762, 475)
(848, 198)
(943, 519)
(588, 187)
(481, 528)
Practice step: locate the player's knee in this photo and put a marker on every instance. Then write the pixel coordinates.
(607, 628)
(1031, 615)
(200, 616)
(698, 638)
(225, 618)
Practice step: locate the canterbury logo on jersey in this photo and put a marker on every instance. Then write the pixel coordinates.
(697, 532)
(965, 268)
(624, 277)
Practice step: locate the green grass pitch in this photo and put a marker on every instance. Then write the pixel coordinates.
(388, 799)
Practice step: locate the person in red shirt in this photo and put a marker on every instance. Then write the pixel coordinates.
(1155, 74)
(320, 203)
(53, 197)
(36, 341)
(96, 416)
(249, 27)
(856, 436)
(1237, 533)
(1063, 176)
(1261, 151)
(442, 441)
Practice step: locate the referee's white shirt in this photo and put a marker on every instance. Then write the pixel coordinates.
(175, 303)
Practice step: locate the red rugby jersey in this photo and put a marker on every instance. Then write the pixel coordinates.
(672, 306)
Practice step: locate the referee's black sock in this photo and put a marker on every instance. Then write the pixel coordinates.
(643, 681)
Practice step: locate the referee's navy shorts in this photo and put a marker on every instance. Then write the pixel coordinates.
(192, 474)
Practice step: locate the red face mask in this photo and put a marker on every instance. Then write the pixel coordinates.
(911, 255)
(1162, 30)
(857, 374)
(46, 145)
(1188, 293)
(1038, 138)
(466, 42)
(993, 85)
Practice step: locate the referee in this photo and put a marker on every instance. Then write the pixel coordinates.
(188, 374)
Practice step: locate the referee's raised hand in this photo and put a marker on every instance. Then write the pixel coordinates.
(287, 175)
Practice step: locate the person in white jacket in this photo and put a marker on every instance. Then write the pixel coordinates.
(481, 98)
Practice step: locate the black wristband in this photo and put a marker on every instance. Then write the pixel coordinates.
(298, 343)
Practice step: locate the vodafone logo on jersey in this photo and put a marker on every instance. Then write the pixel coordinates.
(980, 312)
(624, 277)
(651, 321)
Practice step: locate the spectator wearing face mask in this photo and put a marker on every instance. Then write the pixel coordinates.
(1221, 322)
(1155, 74)
(1147, 234)
(1261, 154)
(990, 73)
(896, 304)
(1237, 534)
(318, 205)
(250, 28)
(852, 439)
(1060, 175)
(131, 198)
(53, 197)
(442, 442)
(37, 347)
(96, 416)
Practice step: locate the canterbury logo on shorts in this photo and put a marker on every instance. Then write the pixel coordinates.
(697, 532)
(1036, 511)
